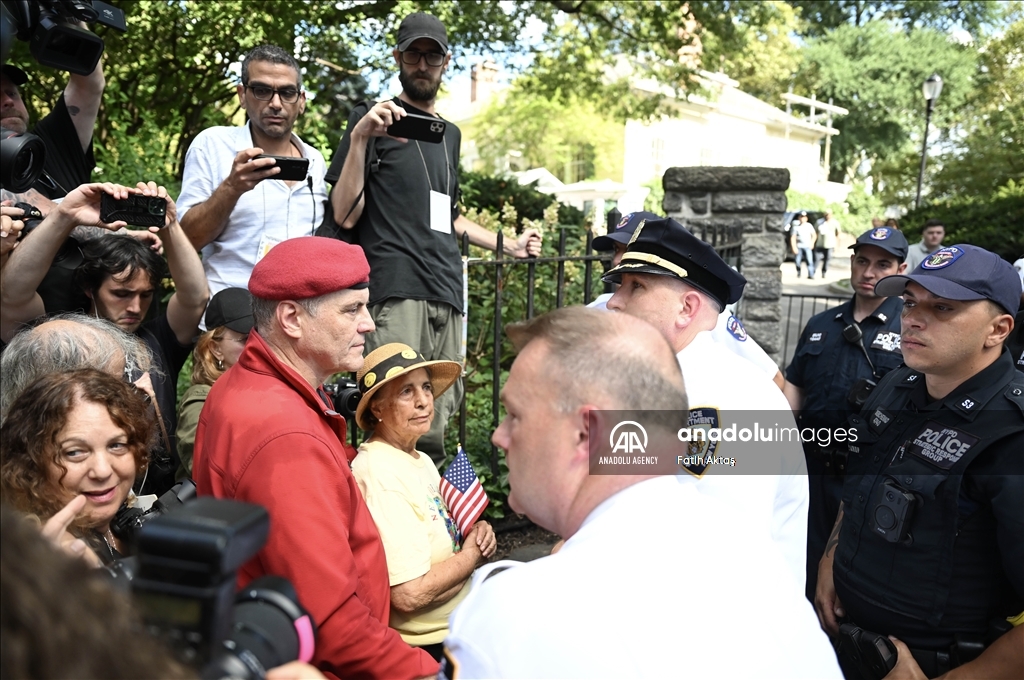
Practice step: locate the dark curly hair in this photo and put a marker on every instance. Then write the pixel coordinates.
(117, 255)
(61, 619)
(29, 447)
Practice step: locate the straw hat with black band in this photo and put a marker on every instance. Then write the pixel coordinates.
(395, 359)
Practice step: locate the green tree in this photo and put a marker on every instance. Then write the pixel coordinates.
(768, 56)
(823, 16)
(548, 134)
(876, 71)
(989, 153)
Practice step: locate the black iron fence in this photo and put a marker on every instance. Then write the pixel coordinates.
(503, 290)
(796, 311)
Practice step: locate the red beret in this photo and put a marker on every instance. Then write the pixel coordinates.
(308, 267)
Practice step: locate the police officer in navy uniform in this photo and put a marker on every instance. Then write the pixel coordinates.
(928, 546)
(842, 353)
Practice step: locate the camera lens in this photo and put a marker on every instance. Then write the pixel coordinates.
(157, 208)
(884, 517)
(889, 497)
(21, 157)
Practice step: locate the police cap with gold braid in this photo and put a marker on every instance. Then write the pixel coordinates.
(665, 248)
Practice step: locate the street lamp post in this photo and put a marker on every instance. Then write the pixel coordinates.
(931, 88)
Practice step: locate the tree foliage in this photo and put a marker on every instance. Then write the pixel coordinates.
(991, 132)
(823, 16)
(765, 56)
(876, 71)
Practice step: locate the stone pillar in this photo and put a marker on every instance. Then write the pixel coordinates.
(742, 207)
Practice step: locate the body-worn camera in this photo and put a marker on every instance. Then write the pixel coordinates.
(860, 391)
(54, 36)
(863, 654)
(893, 509)
(345, 395)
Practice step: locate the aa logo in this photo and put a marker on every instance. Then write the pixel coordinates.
(628, 437)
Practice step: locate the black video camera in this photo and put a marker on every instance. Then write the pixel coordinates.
(129, 521)
(184, 585)
(21, 160)
(345, 395)
(54, 36)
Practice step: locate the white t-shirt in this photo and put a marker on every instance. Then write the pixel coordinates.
(272, 212)
(660, 581)
(805, 234)
(730, 333)
(769, 482)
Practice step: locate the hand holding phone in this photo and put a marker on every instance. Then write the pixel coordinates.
(292, 169)
(136, 210)
(422, 128)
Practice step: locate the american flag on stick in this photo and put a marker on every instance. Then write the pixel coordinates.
(462, 492)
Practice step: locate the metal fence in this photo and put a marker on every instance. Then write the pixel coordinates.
(727, 242)
(796, 312)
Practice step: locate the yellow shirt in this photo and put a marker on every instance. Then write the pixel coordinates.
(415, 527)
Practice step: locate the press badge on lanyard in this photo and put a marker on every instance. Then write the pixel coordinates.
(440, 212)
(266, 243)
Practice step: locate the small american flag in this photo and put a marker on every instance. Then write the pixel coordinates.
(462, 492)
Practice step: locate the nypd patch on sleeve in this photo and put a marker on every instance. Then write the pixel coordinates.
(701, 448)
(736, 329)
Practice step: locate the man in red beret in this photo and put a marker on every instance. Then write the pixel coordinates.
(269, 435)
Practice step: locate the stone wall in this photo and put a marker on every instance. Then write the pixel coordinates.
(739, 205)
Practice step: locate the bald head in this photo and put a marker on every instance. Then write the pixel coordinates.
(613, 361)
(66, 343)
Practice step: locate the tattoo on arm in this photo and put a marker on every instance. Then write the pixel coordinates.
(833, 539)
(74, 110)
(83, 233)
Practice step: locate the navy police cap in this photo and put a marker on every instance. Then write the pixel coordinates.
(961, 272)
(886, 238)
(664, 247)
(623, 230)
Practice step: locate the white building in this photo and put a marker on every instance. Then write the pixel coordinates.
(722, 126)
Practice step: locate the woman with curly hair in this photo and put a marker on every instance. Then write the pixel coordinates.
(82, 433)
(229, 320)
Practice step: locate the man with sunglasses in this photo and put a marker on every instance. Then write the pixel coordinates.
(399, 198)
(231, 205)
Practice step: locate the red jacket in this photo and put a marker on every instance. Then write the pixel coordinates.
(265, 437)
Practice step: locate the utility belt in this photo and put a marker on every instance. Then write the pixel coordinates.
(834, 459)
(864, 655)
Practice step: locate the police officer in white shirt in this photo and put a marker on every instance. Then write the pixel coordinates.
(655, 579)
(679, 284)
(729, 331)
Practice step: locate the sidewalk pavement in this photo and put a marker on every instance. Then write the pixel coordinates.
(838, 269)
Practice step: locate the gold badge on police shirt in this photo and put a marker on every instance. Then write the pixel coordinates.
(639, 228)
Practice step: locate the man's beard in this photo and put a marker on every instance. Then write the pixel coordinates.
(415, 89)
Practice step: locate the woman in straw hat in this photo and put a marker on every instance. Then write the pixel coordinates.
(429, 561)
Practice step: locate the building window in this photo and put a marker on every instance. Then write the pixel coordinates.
(658, 156)
(581, 164)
